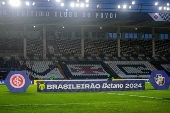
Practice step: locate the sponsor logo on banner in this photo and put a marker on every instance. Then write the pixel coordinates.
(85, 85)
(159, 80)
(17, 81)
(41, 86)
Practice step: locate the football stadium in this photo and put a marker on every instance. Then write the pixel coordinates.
(84, 56)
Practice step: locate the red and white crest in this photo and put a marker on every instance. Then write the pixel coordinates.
(17, 81)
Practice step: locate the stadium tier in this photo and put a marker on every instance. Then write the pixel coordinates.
(131, 69)
(85, 70)
(41, 69)
(72, 42)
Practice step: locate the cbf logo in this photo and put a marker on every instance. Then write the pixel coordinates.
(17, 81)
(160, 80)
(41, 86)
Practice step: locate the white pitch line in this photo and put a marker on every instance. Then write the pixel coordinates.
(157, 98)
(62, 104)
(132, 95)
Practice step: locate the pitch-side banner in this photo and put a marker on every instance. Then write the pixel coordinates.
(56, 14)
(89, 86)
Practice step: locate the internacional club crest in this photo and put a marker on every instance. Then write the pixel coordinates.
(17, 81)
(159, 80)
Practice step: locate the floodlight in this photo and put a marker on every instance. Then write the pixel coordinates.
(164, 8)
(133, 2)
(118, 6)
(34, 26)
(33, 3)
(48, 0)
(160, 8)
(27, 3)
(77, 0)
(98, 5)
(58, 0)
(167, 9)
(82, 4)
(156, 3)
(72, 4)
(124, 6)
(3, 3)
(167, 4)
(15, 3)
(130, 7)
(77, 5)
(87, 5)
(63, 27)
(87, 1)
(62, 4)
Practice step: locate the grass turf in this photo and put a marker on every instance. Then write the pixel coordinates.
(145, 101)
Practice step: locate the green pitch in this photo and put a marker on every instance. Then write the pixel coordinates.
(145, 101)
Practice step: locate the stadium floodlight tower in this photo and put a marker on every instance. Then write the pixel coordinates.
(167, 4)
(72, 4)
(156, 3)
(124, 6)
(62, 4)
(27, 3)
(133, 2)
(118, 7)
(58, 0)
(15, 3)
(3, 2)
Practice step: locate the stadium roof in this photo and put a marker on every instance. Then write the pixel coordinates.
(105, 5)
(127, 25)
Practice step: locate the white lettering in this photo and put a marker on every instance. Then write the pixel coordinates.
(23, 13)
(75, 14)
(70, 14)
(47, 13)
(97, 14)
(101, 15)
(60, 14)
(55, 14)
(65, 14)
(111, 15)
(106, 15)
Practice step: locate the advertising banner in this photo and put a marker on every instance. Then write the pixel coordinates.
(89, 86)
(73, 14)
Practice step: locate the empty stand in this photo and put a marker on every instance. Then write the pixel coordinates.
(131, 69)
(85, 70)
(42, 69)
